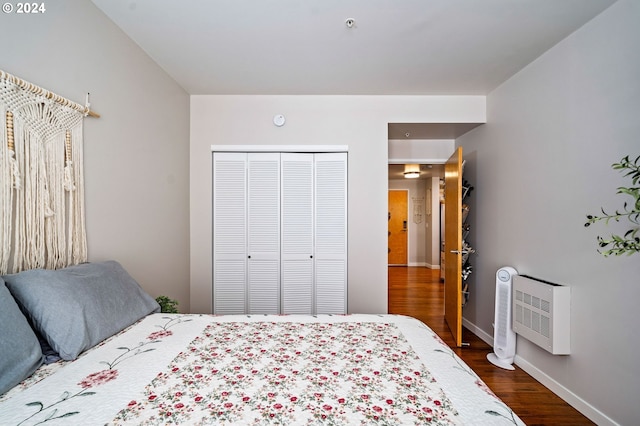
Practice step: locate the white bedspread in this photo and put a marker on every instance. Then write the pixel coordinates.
(203, 369)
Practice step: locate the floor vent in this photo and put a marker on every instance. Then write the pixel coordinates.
(541, 313)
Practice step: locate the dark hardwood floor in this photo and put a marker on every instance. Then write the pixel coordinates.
(418, 292)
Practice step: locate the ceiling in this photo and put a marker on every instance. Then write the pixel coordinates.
(429, 130)
(349, 47)
(305, 47)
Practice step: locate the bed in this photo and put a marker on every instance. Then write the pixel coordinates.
(203, 369)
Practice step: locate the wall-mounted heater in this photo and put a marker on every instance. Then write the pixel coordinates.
(542, 313)
(504, 338)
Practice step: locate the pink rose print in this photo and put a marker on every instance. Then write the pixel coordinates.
(98, 378)
(297, 381)
(159, 334)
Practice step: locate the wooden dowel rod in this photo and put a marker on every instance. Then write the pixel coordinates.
(49, 95)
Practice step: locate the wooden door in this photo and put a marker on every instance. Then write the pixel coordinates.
(398, 227)
(453, 245)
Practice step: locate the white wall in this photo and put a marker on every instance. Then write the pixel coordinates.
(424, 151)
(539, 166)
(136, 154)
(357, 121)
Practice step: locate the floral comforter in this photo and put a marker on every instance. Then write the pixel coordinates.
(303, 370)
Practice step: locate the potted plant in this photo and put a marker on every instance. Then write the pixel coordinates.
(167, 305)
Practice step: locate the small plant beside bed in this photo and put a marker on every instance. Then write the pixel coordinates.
(167, 305)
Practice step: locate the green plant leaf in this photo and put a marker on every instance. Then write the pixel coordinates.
(167, 305)
(629, 243)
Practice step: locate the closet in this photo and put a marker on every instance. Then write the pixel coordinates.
(279, 232)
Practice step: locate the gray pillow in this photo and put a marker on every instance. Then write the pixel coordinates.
(77, 307)
(20, 352)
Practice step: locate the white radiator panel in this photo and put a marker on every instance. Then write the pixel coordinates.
(542, 313)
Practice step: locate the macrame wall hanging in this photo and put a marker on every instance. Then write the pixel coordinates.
(42, 215)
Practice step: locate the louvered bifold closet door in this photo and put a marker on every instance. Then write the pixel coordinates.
(297, 233)
(330, 233)
(229, 233)
(263, 257)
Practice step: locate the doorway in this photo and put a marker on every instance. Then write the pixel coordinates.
(422, 229)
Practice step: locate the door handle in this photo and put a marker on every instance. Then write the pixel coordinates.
(462, 251)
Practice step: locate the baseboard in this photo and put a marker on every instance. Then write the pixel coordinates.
(588, 410)
(487, 338)
(423, 265)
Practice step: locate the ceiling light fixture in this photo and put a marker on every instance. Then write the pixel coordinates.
(411, 171)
